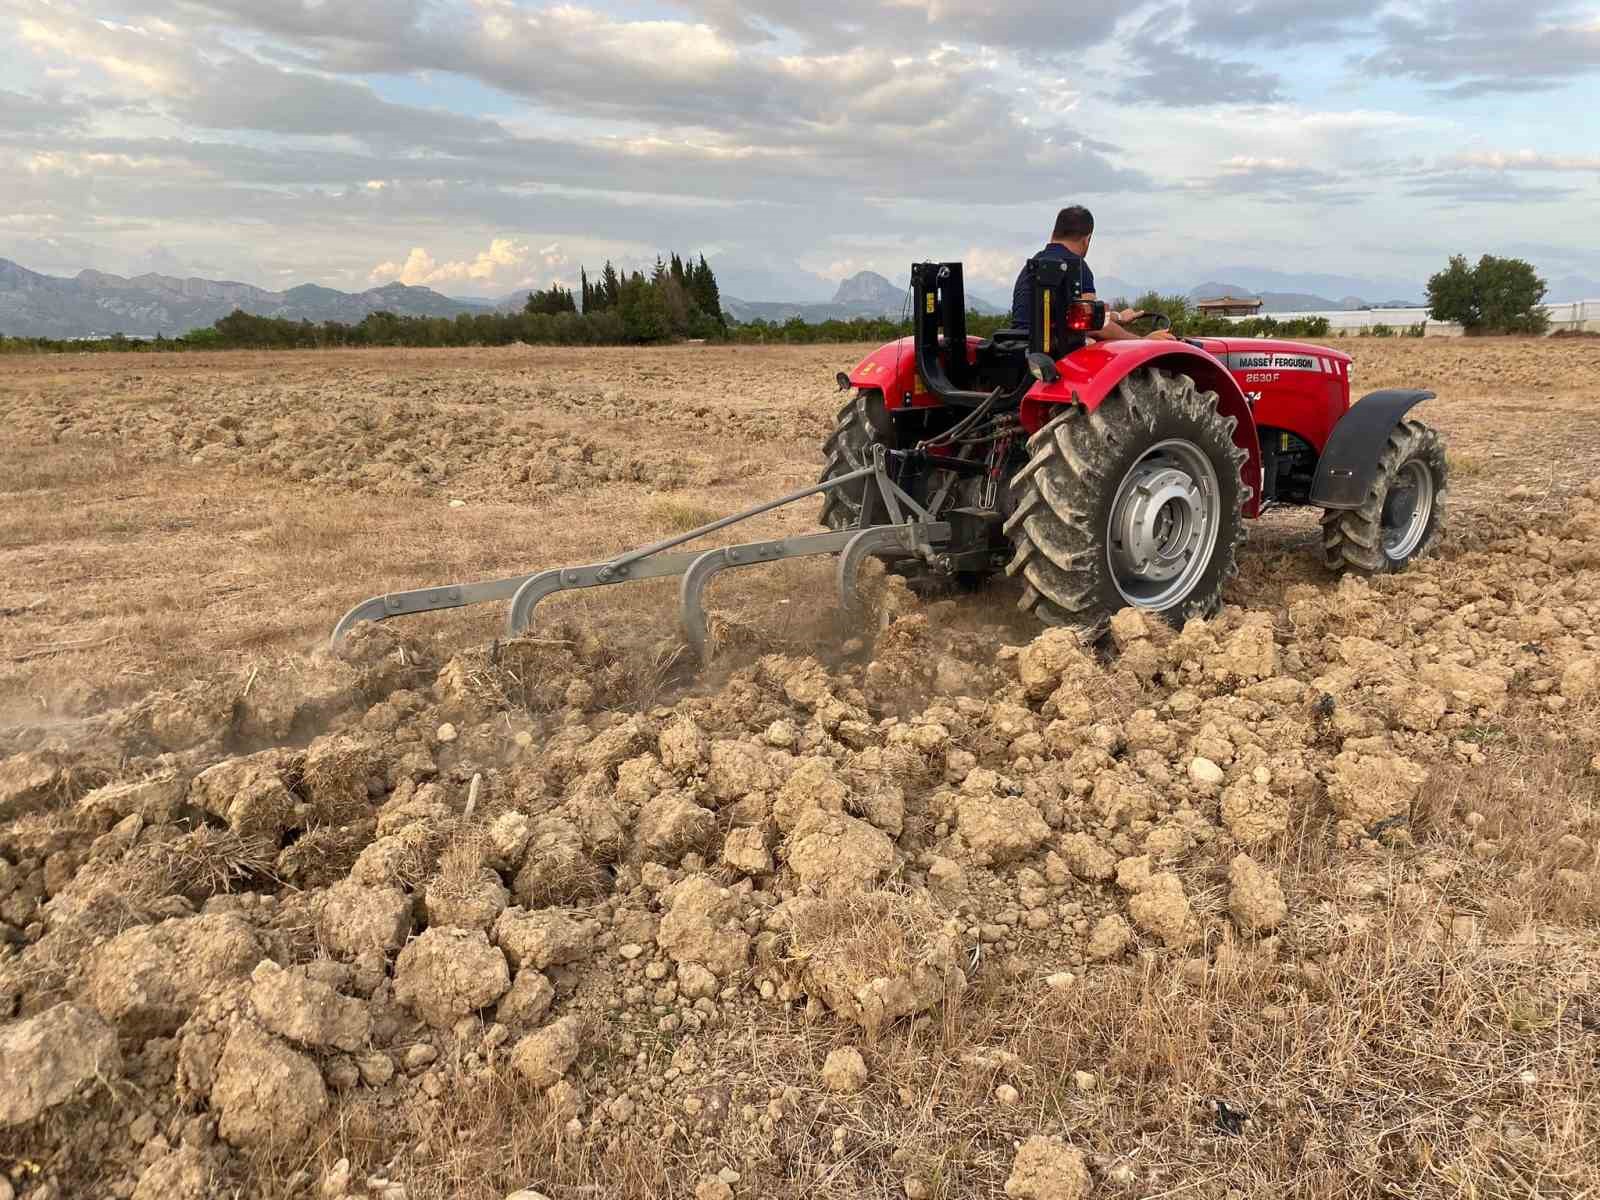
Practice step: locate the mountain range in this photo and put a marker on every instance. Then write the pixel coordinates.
(95, 303)
(1282, 302)
(864, 294)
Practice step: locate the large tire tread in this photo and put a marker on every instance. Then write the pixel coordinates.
(1352, 538)
(1058, 528)
(848, 448)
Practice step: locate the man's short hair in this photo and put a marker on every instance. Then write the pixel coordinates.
(1073, 222)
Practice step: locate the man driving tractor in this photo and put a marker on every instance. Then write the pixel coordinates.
(1069, 243)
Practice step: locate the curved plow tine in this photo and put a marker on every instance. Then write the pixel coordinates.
(535, 588)
(891, 541)
(400, 604)
(692, 613)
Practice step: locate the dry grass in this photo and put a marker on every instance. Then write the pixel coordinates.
(489, 1136)
(1511, 818)
(205, 862)
(866, 936)
(336, 780)
(460, 864)
(680, 514)
(566, 664)
(1408, 1068)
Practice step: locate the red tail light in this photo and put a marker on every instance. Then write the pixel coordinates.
(1085, 316)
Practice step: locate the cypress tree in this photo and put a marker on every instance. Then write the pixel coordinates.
(704, 291)
(610, 287)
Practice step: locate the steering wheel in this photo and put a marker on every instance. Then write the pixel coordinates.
(1162, 321)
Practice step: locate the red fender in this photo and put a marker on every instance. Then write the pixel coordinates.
(1088, 376)
(890, 369)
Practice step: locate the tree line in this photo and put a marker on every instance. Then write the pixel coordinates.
(1189, 321)
(1494, 296)
(680, 299)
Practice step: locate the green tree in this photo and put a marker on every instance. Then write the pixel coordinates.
(1498, 295)
(1511, 295)
(555, 299)
(1176, 308)
(1451, 293)
(676, 303)
(703, 291)
(643, 311)
(610, 288)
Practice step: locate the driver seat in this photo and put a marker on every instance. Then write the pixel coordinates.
(1010, 339)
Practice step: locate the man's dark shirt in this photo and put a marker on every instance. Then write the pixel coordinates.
(1022, 294)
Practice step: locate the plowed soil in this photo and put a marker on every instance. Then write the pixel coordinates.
(1302, 899)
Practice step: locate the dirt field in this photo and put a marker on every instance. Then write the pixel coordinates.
(1305, 900)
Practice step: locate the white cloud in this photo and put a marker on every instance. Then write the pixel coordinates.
(503, 256)
(125, 53)
(1527, 160)
(506, 141)
(77, 164)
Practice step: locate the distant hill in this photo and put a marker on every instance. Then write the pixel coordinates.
(871, 293)
(864, 294)
(93, 302)
(779, 311)
(1270, 301)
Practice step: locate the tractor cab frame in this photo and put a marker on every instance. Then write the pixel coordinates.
(968, 376)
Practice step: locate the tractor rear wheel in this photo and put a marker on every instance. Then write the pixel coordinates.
(860, 424)
(1136, 504)
(1403, 511)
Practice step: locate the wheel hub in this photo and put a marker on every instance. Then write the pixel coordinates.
(1407, 509)
(1158, 525)
(1163, 525)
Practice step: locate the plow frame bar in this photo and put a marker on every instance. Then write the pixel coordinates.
(911, 532)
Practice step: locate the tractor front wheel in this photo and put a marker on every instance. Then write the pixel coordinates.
(1136, 504)
(1403, 510)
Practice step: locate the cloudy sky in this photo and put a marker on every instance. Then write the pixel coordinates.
(481, 145)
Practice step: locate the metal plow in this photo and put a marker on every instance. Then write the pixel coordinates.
(909, 532)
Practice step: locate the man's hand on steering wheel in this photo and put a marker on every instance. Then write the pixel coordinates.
(1161, 330)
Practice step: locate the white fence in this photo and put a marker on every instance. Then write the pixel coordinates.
(1579, 315)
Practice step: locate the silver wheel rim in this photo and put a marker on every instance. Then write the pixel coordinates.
(1407, 508)
(1163, 524)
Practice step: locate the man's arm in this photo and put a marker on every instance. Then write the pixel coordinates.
(1114, 332)
(1121, 315)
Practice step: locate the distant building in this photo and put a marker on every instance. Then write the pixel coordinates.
(1228, 306)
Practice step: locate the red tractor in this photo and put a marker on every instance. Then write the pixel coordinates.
(1110, 474)
(1105, 474)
